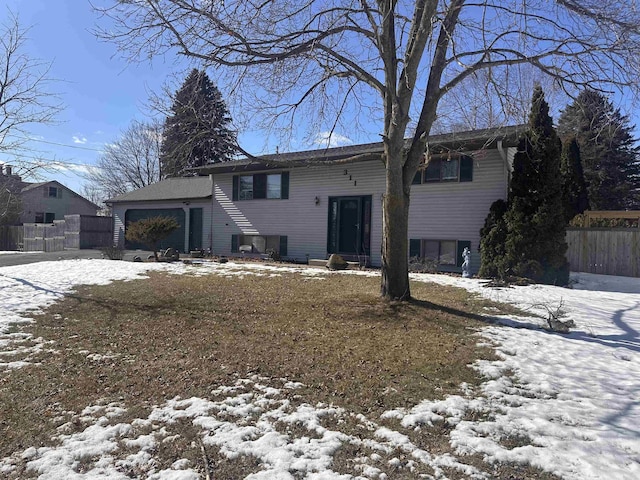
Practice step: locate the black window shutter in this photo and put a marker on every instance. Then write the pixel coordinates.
(332, 229)
(234, 242)
(283, 245)
(260, 185)
(236, 187)
(414, 247)
(466, 168)
(284, 186)
(461, 245)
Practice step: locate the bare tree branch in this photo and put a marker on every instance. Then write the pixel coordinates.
(25, 98)
(288, 59)
(130, 162)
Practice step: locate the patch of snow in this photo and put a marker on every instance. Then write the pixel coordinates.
(567, 403)
(572, 398)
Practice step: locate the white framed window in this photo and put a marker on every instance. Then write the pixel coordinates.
(274, 185)
(245, 191)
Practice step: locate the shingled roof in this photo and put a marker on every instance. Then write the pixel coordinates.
(179, 188)
(456, 141)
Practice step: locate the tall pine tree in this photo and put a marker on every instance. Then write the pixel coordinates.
(535, 245)
(198, 130)
(610, 156)
(574, 189)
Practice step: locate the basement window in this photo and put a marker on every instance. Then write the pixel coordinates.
(260, 244)
(442, 252)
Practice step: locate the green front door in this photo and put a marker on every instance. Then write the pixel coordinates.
(195, 229)
(349, 225)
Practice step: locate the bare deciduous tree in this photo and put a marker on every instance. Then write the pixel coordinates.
(492, 98)
(25, 96)
(10, 204)
(131, 162)
(324, 58)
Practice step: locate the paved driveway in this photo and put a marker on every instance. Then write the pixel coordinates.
(24, 258)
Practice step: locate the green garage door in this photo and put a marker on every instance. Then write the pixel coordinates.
(175, 240)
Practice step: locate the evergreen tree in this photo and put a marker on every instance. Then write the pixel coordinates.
(493, 237)
(574, 188)
(198, 130)
(608, 151)
(535, 244)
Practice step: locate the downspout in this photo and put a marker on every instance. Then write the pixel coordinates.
(505, 159)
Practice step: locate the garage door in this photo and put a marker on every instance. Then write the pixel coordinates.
(175, 240)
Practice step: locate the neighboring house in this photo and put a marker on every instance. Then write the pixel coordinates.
(304, 205)
(187, 199)
(48, 201)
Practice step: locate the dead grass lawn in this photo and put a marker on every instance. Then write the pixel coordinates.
(181, 335)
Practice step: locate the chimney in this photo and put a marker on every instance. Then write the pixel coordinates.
(1, 169)
(7, 170)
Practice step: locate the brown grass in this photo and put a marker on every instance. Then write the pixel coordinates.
(182, 336)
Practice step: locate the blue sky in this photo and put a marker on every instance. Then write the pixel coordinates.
(103, 94)
(100, 91)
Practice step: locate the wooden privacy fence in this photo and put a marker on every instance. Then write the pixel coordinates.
(11, 237)
(74, 232)
(605, 251)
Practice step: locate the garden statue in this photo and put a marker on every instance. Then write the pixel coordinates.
(466, 254)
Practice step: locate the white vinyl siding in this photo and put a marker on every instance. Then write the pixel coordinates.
(303, 221)
(458, 210)
(438, 210)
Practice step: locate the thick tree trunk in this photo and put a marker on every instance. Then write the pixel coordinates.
(395, 227)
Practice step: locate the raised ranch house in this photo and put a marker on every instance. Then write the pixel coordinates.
(304, 205)
(307, 205)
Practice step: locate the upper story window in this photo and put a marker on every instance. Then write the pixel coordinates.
(53, 192)
(261, 185)
(457, 168)
(246, 187)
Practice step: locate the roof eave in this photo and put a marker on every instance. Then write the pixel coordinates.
(470, 140)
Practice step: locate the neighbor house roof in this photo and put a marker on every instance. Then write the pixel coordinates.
(179, 188)
(456, 141)
(27, 186)
(32, 186)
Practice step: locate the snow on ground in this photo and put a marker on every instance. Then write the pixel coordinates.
(576, 396)
(568, 404)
